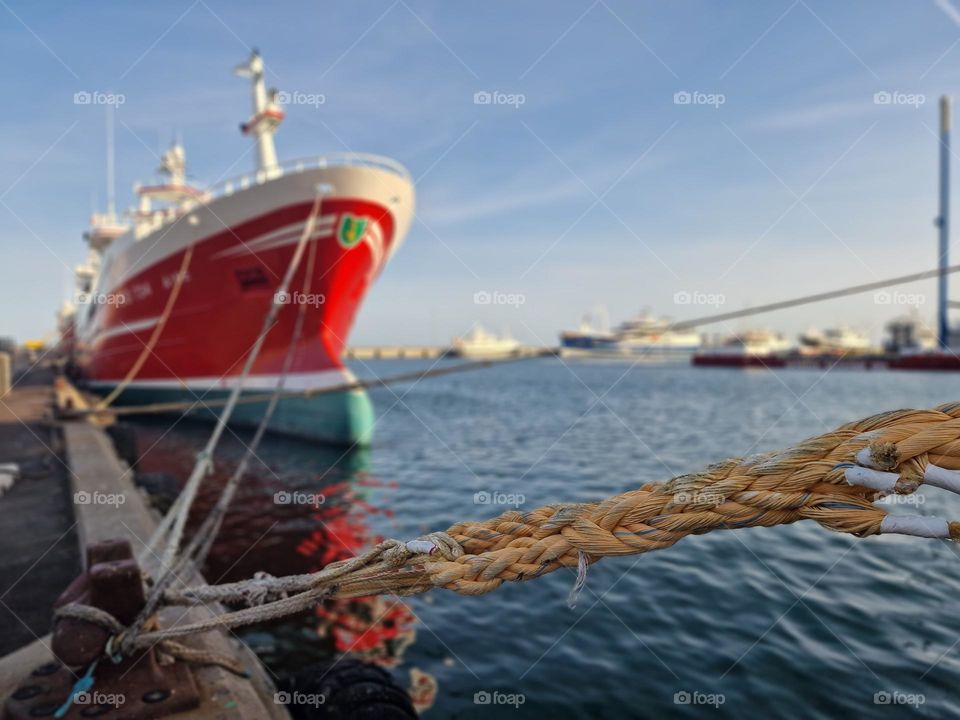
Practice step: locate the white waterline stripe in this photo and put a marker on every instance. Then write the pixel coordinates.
(293, 381)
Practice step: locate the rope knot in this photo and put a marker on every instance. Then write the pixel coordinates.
(444, 545)
(259, 590)
(397, 552)
(394, 552)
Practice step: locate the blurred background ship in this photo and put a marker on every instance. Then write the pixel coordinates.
(479, 343)
(644, 336)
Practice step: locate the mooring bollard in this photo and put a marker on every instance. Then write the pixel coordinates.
(5, 377)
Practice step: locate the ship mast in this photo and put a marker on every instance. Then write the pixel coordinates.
(111, 183)
(266, 117)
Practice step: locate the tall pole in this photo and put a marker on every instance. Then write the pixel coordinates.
(943, 222)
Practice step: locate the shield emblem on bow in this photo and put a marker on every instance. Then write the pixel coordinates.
(351, 230)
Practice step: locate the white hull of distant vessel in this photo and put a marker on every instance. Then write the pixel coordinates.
(483, 345)
(644, 338)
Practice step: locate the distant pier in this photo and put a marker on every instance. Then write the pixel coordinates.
(425, 352)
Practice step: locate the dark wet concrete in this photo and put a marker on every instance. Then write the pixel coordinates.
(39, 552)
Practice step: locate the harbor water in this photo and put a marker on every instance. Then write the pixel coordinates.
(794, 621)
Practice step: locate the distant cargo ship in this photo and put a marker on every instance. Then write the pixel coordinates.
(753, 348)
(242, 235)
(915, 347)
(643, 336)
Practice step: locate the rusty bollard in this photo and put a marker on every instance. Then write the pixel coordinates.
(133, 687)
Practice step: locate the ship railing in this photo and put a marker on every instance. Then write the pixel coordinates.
(153, 220)
(243, 182)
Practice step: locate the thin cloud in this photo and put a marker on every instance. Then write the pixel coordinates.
(949, 10)
(810, 116)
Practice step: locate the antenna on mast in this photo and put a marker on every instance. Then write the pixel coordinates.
(111, 184)
(267, 114)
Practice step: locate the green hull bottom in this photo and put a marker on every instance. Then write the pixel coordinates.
(342, 418)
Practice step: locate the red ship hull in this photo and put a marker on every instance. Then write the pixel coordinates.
(926, 361)
(229, 286)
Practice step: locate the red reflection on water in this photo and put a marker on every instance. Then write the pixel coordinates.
(322, 518)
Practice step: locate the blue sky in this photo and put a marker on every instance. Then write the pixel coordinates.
(598, 189)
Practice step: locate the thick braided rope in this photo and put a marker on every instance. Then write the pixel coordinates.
(806, 481)
(819, 479)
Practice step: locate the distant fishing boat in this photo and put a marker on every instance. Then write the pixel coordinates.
(479, 343)
(221, 253)
(752, 348)
(642, 336)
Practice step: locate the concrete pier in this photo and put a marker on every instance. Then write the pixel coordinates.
(395, 352)
(102, 502)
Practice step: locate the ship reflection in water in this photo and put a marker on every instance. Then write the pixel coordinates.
(315, 511)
